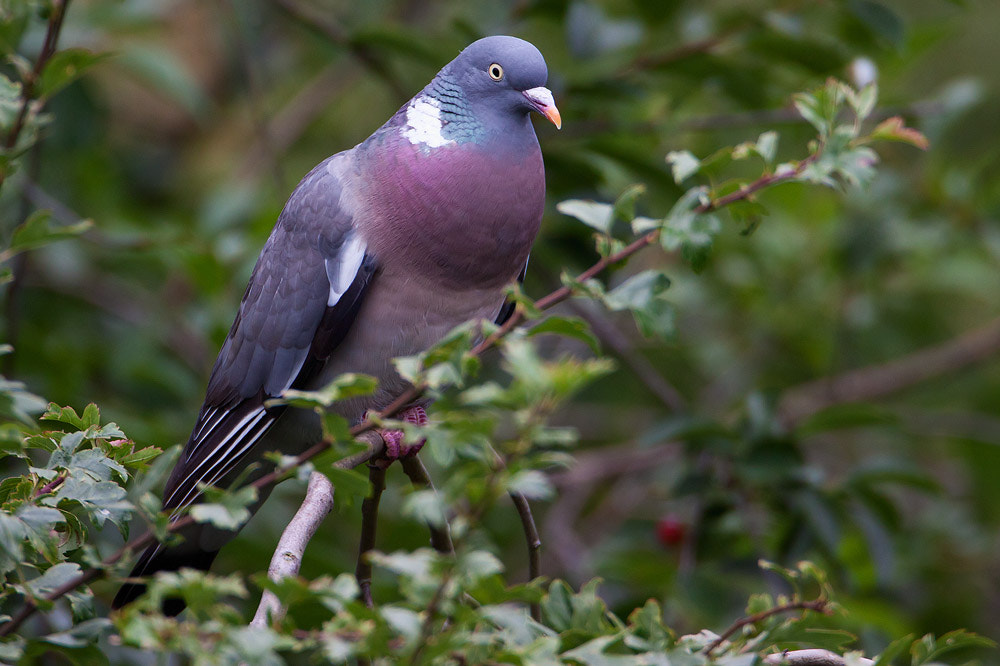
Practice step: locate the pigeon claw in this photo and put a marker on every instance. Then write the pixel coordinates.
(396, 447)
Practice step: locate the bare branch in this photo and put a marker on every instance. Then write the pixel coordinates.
(287, 557)
(813, 657)
(878, 381)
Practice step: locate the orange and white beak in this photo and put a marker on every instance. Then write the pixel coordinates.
(541, 99)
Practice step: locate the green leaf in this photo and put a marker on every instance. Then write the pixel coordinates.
(348, 481)
(56, 576)
(928, 649)
(477, 564)
(63, 68)
(426, 506)
(227, 510)
(402, 621)
(643, 295)
(894, 650)
(38, 230)
(570, 327)
(12, 535)
(767, 146)
(343, 387)
(594, 214)
(865, 100)
(557, 606)
(624, 207)
(689, 230)
(531, 483)
(65, 415)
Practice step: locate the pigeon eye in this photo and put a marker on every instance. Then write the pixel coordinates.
(496, 71)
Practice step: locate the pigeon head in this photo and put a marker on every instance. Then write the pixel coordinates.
(503, 75)
(482, 97)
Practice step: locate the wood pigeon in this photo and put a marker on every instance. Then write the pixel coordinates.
(379, 251)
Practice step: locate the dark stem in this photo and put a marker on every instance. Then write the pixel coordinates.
(319, 22)
(28, 85)
(369, 525)
(50, 486)
(534, 544)
(818, 605)
(440, 536)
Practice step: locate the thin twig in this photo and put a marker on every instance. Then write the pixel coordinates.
(319, 22)
(28, 91)
(369, 526)
(534, 544)
(820, 605)
(427, 627)
(440, 536)
(619, 343)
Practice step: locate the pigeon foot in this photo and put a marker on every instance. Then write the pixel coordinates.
(395, 445)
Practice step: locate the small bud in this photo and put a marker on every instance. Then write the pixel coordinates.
(862, 71)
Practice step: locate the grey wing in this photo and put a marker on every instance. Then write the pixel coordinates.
(301, 300)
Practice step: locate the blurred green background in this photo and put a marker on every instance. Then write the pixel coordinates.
(705, 451)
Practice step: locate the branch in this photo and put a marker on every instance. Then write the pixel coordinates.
(369, 525)
(440, 536)
(813, 657)
(878, 381)
(287, 557)
(318, 22)
(609, 334)
(534, 544)
(819, 605)
(31, 78)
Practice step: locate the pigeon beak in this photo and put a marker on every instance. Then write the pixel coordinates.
(541, 99)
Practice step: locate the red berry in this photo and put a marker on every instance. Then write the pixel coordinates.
(670, 531)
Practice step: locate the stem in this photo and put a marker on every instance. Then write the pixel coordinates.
(28, 85)
(369, 525)
(534, 544)
(440, 536)
(818, 605)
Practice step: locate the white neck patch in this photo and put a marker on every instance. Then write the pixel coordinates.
(423, 123)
